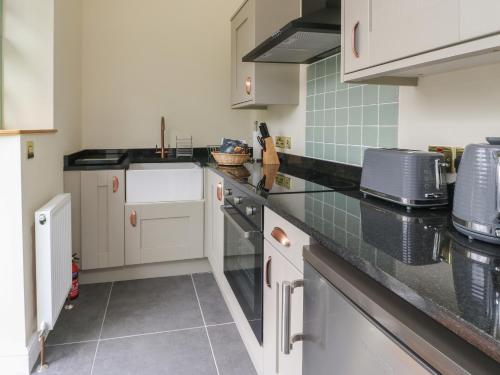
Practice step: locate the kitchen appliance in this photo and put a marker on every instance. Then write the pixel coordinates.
(407, 177)
(340, 338)
(413, 239)
(244, 225)
(476, 204)
(243, 252)
(310, 38)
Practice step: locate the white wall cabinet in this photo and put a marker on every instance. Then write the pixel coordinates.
(357, 35)
(395, 42)
(161, 232)
(102, 208)
(214, 220)
(256, 85)
(403, 28)
(479, 18)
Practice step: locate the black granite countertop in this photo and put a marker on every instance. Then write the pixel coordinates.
(417, 255)
(106, 159)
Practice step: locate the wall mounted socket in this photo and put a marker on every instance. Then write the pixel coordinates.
(283, 142)
(30, 149)
(450, 153)
(280, 141)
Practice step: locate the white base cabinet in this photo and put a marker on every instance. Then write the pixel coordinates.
(161, 232)
(102, 200)
(214, 220)
(279, 271)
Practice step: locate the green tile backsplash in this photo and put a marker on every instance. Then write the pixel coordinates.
(342, 120)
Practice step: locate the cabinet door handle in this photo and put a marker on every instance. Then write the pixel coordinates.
(248, 85)
(279, 235)
(133, 218)
(116, 184)
(219, 191)
(268, 272)
(355, 51)
(287, 340)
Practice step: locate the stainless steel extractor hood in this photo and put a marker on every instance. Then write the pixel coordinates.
(310, 38)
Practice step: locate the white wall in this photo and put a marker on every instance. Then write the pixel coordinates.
(289, 121)
(52, 78)
(143, 60)
(453, 108)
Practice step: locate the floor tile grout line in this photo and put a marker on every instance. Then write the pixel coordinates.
(72, 343)
(102, 326)
(205, 324)
(152, 333)
(141, 334)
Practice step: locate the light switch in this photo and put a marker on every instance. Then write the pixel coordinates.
(30, 149)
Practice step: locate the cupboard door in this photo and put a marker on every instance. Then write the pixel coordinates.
(208, 232)
(291, 364)
(479, 18)
(356, 35)
(218, 226)
(402, 28)
(271, 302)
(242, 42)
(102, 208)
(161, 232)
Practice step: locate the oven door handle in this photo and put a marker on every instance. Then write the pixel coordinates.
(243, 231)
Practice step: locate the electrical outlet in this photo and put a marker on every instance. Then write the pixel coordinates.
(450, 153)
(280, 141)
(288, 142)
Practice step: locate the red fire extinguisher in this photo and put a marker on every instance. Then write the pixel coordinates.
(75, 286)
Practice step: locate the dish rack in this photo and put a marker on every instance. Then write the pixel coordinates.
(184, 147)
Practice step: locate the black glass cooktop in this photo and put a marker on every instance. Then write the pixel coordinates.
(271, 180)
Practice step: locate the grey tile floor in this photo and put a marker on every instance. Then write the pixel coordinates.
(172, 325)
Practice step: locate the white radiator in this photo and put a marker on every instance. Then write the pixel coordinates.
(53, 259)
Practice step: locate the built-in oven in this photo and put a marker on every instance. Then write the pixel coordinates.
(243, 254)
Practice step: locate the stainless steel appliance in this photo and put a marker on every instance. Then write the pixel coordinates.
(243, 253)
(339, 338)
(310, 38)
(476, 204)
(406, 177)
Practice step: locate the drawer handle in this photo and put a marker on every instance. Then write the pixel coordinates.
(268, 272)
(133, 218)
(248, 85)
(116, 184)
(355, 51)
(287, 340)
(280, 236)
(219, 191)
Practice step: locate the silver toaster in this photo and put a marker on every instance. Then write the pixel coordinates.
(407, 177)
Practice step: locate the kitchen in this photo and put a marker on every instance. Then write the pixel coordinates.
(190, 267)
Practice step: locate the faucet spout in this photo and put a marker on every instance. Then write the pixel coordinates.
(162, 151)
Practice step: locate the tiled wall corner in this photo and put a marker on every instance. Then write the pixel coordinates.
(342, 120)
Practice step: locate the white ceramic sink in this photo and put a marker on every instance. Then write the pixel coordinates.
(164, 182)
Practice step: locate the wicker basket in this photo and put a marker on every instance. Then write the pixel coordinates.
(230, 159)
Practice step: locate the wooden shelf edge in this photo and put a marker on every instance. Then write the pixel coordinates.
(7, 132)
